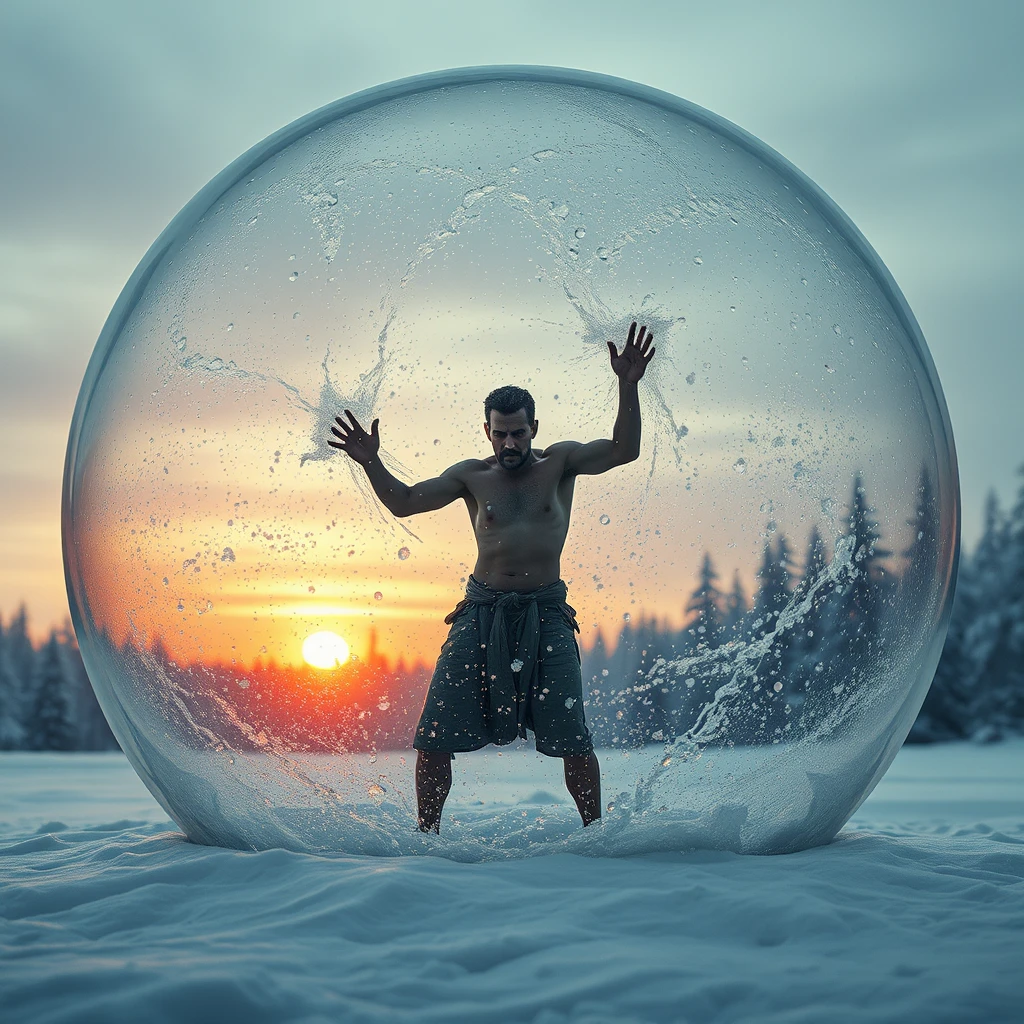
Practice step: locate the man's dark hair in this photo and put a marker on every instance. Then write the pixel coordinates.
(508, 400)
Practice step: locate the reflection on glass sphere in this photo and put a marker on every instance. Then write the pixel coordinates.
(762, 596)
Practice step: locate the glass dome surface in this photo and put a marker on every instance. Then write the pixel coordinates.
(762, 596)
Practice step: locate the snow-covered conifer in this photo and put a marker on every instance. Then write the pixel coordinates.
(704, 610)
(12, 733)
(51, 724)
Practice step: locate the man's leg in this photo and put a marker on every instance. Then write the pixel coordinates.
(583, 780)
(433, 782)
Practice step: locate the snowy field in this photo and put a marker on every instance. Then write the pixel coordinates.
(915, 913)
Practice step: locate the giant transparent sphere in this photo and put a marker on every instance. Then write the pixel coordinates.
(762, 596)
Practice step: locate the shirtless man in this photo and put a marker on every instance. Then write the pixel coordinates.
(511, 660)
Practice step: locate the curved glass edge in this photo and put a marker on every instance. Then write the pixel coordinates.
(948, 489)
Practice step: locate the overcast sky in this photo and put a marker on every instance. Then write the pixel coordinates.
(113, 114)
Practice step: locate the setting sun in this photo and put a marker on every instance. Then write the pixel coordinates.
(325, 650)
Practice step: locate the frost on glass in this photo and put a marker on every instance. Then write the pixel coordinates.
(762, 596)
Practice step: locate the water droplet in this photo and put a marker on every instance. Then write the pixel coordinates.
(517, 665)
(698, 261)
(404, 553)
(603, 253)
(544, 154)
(732, 309)
(230, 327)
(377, 595)
(312, 590)
(569, 701)
(605, 520)
(437, 441)
(803, 280)
(376, 793)
(740, 465)
(830, 369)
(836, 329)
(252, 220)
(295, 315)
(181, 606)
(690, 378)
(581, 232)
(293, 276)
(561, 211)
(746, 363)
(777, 687)
(166, 582)
(626, 617)
(180, 343)
(383, 704)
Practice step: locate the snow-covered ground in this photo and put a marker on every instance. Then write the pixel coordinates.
(915, 913)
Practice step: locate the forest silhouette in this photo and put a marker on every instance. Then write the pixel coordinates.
(650, 683)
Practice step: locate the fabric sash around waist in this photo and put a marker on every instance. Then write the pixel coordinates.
(510, 621)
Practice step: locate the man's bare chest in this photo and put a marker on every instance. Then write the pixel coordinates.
(503, 499)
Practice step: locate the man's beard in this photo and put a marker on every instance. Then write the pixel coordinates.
(513, 460)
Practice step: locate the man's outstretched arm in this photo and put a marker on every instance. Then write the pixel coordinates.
(624, 446)
(400, 499)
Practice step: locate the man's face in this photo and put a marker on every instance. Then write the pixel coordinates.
(511, 435)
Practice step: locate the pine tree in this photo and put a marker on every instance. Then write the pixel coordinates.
(1001, 669)
(22, 659)
(12, 733)
(946, 713)
(766, 719)
(864, 598)
(51, 725)
(773, 585)
(735, 606)
(922, 551)
(814, 644)
(705, 622)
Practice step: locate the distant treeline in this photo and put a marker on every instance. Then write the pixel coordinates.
(790, 669)
(978, 690)
(46, 702)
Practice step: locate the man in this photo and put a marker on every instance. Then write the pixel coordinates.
(511, 660)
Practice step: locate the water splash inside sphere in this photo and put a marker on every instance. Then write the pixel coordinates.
(762, 596)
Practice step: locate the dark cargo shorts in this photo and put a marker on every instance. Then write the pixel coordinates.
(456, 711)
